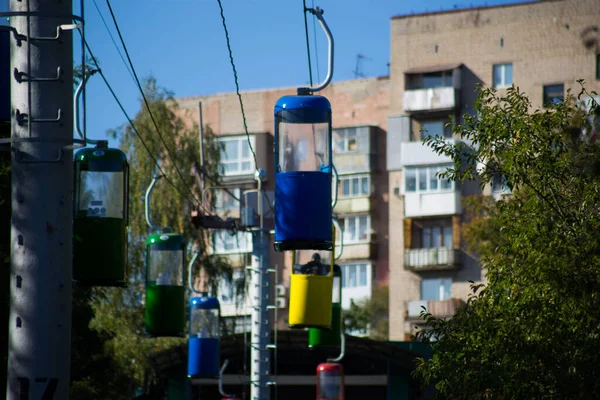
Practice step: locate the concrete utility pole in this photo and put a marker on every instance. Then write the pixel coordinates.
(39, 353)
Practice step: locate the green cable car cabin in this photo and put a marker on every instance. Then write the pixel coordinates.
(101, 216)
(165, 290)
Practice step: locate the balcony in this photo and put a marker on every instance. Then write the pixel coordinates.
(353, 205)
(358, 251)
(431, 99)
(352, 162)
(237, 260)
(423, 204)
(437, 308)
(418, 153)
(434, 259)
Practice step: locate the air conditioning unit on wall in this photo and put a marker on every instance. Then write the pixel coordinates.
(281, 303)
(280, 290)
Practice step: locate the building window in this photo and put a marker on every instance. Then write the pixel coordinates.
(238, 324)
(598, 66)
(431, 80)
(503, 75)
(354, 275)
(356, 229)
(229, 290)
(435, 128)
(225, 201)
(554, 93)
(344, 140)
(224, 243)
(436, 289)
(500, 185)
(436, 237)
(354, 186)
(425, 179)
(236, 157)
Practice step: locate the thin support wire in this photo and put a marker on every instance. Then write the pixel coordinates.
(148, 104)
(113, 40)
(237, 86)
(130, 121)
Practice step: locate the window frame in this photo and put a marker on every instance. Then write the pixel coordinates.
(446, 129)
(415, 81)
(237, 275)
(219, 193)
(357, 267)
(356, 225)
(502, 67)
(546, 89)
(440, 228)
(346, 136)
(428, 179)
(350, 178)
(242, 141)
(242, 244)
(442, 282)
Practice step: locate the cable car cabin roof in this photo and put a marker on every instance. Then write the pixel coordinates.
(362, 356)
(302, 102)
(171, 239)
(100, 154)
(205, 303)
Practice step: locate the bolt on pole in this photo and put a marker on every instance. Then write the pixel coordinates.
(39, 353)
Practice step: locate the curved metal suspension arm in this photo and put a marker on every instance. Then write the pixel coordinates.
(336, 223)
(82, 135)
(343, 349)
(147, 202)
(221, 391)
(318, 12)
(191, 275)
(336, 179)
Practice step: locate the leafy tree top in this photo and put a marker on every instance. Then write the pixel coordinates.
(532, 331)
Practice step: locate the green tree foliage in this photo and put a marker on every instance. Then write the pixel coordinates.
(119, 313)
(371, 314)
(532, 332)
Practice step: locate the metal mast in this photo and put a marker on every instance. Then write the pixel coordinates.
(260, 360)
(39, 353)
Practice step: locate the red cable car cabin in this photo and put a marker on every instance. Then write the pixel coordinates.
(330, 381)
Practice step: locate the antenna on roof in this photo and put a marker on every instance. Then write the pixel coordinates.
(358, 70)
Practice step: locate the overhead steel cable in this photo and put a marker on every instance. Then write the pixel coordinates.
(237, 90)
(147, 103)
(129, 120)
(237, 86)
(113, 40)
(307, 42)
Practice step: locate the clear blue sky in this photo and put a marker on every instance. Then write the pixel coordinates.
(182, 44)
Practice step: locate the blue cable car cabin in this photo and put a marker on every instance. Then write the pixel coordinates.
(303, 173)
(203, 342)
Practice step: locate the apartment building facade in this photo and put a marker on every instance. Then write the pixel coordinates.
(437, 61)
(359, 115)
(401, 223)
